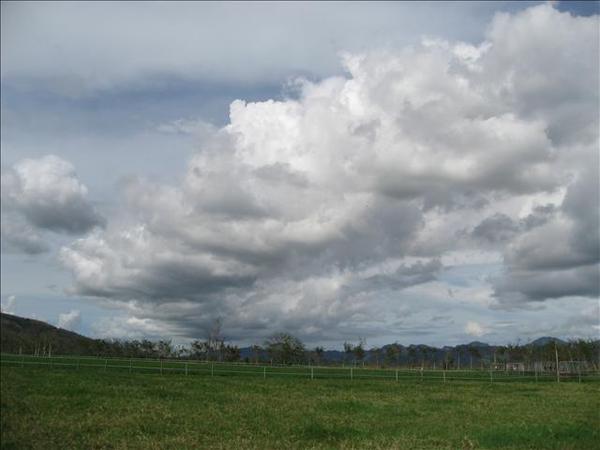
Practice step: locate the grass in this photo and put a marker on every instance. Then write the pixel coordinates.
(65, 408)
(196, 367)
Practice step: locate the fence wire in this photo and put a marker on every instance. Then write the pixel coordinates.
(208, 368)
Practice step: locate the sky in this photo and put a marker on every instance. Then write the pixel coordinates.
(393, 171)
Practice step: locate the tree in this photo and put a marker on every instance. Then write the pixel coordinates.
(283, 348)
(215, 341)
(376, 352)
(256, 352)
(198, 349)
(359, 350)
(147, 348)
(448, 359)
(587, 350)
(412, 354)
(473, 353)
(164, 348)
(391, 354)
(348, 350)
(319, 353)
(231, 353)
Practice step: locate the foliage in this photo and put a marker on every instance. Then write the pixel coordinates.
(359, 350)
(32, 337)
(283, 348)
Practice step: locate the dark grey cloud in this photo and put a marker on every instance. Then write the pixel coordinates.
(539, 216)
(521, 286)
(561, 257)
(403, 277)
(499, 229)
(19, 237)
(495, 229)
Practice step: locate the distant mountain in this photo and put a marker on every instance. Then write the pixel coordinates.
(540, 342)
(28, 336)
(18, 334)
(477, 344)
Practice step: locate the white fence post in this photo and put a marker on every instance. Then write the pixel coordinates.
(312, 373)
(264, 372)
(186, 368)
(351, 375)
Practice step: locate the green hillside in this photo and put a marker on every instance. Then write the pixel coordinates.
(20, 335)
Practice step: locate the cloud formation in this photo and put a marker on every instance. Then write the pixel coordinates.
(474, 329)
(310, 214)
(559, 258)
(39, 195)
(70, 321)
(8, 304)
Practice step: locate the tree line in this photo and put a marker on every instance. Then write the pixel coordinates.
(19, 335)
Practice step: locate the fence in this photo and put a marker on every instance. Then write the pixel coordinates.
(207, 368)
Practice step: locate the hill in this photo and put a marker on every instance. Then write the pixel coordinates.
(18, 334)
(29, 336)
(540, 342)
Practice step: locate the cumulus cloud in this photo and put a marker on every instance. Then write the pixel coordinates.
(474, 329)
(49, 195)
(39, 195)
(306, 213)
(129, 328)
(17, 236)
(560, 258)
(70, 321)
(8, 304)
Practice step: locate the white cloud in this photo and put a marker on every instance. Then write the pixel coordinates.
(432, 151)
(8, 305)
(70, 321)
(39, 195)
(474, 329)
(129, 328)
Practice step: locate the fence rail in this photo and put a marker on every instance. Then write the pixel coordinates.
(208, 368)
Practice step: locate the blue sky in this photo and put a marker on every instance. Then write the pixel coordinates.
(133, 111)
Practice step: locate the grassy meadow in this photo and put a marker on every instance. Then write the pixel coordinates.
(89, 408)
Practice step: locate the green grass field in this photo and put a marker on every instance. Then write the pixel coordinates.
(90, 408)
(195, 367)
